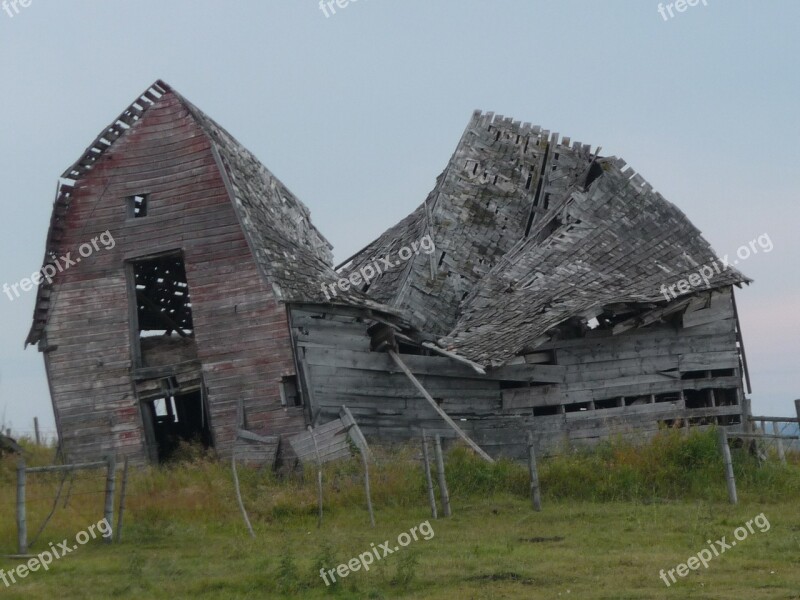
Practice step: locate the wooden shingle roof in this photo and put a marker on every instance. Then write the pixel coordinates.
(531, 231)
(291, 253)
(613, 243)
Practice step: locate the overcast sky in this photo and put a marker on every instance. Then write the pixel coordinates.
(359, 111)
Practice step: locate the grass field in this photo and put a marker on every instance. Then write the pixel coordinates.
(612, 520)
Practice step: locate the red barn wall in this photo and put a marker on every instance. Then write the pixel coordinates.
(241, 332)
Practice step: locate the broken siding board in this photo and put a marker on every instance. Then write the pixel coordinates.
(709, 361)
(717, 312)
(329, 442)
(612, 354)
(557, 395)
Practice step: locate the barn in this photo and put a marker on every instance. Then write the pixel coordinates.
(540, 287)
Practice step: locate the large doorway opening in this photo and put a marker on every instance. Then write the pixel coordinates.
(177, 418)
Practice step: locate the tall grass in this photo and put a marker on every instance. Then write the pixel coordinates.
(198, 491)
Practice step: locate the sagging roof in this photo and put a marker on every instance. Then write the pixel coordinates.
(499, 182)
(290, 252)
(531, 232)
(614, 243)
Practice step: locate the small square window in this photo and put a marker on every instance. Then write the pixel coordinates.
(137, 205)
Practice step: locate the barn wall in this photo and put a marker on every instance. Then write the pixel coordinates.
(632, 383)
(584, 389)
(241, 333)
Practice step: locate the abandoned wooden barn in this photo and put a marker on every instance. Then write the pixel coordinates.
(545, 300)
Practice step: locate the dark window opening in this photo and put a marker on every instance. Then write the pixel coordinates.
(537, 195)
(577, 407)
(637, 400)
(595, 171)
(668, 397)
(546, 411)
(512, 385)
(163, 305)
(730, 420)
(178, 418)
(726, 397)
(722, 373)
(690, 422)
(539, 357)
(137, 205)
(694, 375)
(290, 392)
(412, 349)
(697, 398)
(608, 403)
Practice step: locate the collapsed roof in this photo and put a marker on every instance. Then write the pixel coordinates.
(531, 232)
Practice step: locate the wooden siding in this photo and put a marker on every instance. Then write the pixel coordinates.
(241, 333)
(601, 385)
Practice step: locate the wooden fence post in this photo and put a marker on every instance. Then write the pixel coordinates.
(358, 439)
(22, 526)
(779, 442)
(111, 477)
(122, 493)
(240, 425)
(367, 490)
(428, 478)
(726, 457)
(239, 499)
(36, 431)
(319, 476)
(747, 415)
(536, 497)
(442, 481)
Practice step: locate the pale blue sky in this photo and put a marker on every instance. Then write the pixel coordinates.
(359, 112)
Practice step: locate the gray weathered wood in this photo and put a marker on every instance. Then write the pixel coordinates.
(428, 479)
(22, 526)
(73, 467)
(319, 476)
(477, 368)
(36, 431)
(354, 431)
(111, 478)
(445, 495)
(776, 419)
(361, 443)
(122, 493)
(779, 443)
(762, 436)
(536, 498)
(436, 407)
(726, 458)
(239, 422)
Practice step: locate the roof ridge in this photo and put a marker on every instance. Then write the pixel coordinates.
(111, 134)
